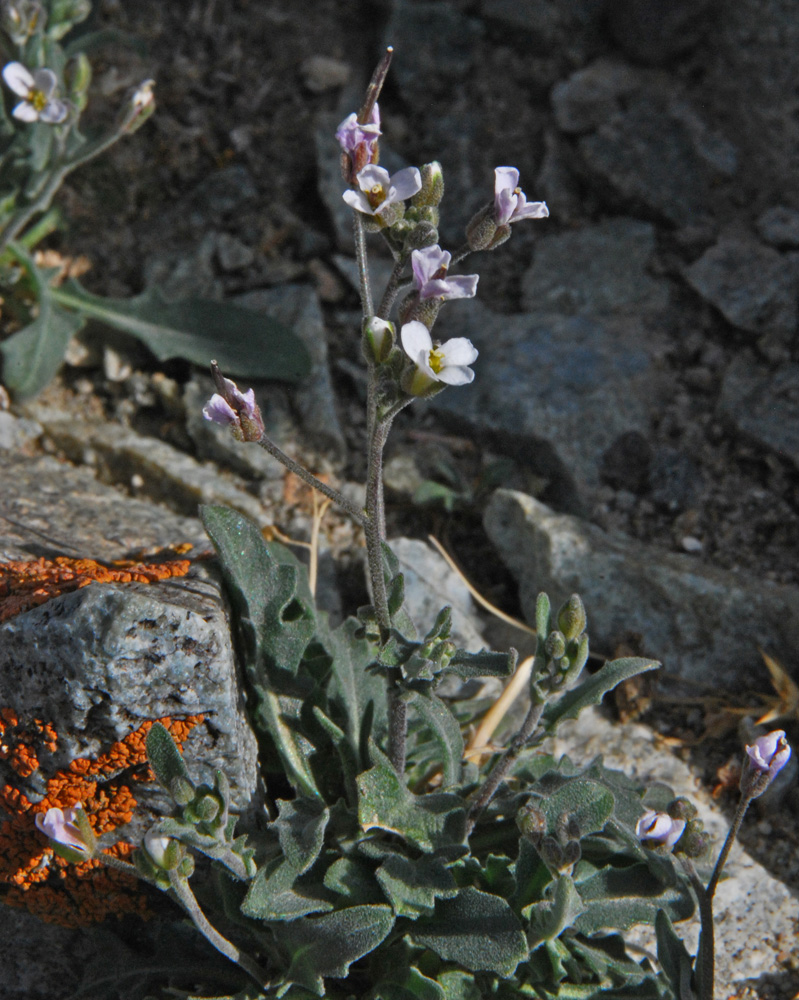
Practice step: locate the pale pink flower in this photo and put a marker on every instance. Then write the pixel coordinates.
(510, 202)
(36, 90)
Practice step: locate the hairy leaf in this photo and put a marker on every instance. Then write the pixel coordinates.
(412, 887)
(446, 731)
(486, 663)
(301, 830)
(587, 802)
(164, 757)
(242, 341)
(593, 689)
(674, 958)
(354, 880)
(618, 898)
(408, 984)
(318, 947)
(427, 821)
(548, 919)
(475, 929)
(277, 893)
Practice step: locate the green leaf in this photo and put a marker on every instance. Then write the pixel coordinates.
(459, 985)
(318, 947)
(446, 731)
(475, 929)
(33, 355)
(549, 918)
(164, 757)
(301, 830)
(531, 875)
(276, 893)
(354, 880)
(618, 898)
(242, 341)
(593, 689)
(486, 663)
(674, 958)
(408, 984)
(428, 822)
(412, 887)
(587, 802)
(269, 589)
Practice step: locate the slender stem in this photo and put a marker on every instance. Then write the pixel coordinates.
(706, 957)
(392, 288)
(460, 254)
(121, 866)
(397, 728)
(268, 445)
(375, 528)
(367, 306)
(740, 812)
(506, 761)
(185, 896)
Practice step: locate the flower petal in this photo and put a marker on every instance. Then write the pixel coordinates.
(426, 262)
(45, 80)
(416, 340)
(358, 201)
(455, 375)
(529, 209)
(373, 176)
(219, 411)
(458, 351)
(461, 286)
(25, 112)
(404, 184)
(53, 112)
(18, 78)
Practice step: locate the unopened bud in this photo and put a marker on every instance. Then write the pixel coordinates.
(572, 852)
(551, 851)
(423, 234)
(482, 228)
(186, 867)
(765, 758)
(181, 790)
(207, 809)
(164, 852)
(695, 841)
(379, 336)
(571, 617)
(555, 645)
(432, 190)
(682, 808)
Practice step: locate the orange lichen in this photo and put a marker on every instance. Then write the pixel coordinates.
(35, 877)
(25, 585)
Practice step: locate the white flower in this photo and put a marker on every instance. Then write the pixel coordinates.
(60, 827)
(379, 190)
(157, 846)
(37, 90)
(143, 96)
(430, 276)
(440, 362)
(659, 828)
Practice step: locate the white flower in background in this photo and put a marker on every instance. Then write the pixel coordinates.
(36, 90)
(446, 363)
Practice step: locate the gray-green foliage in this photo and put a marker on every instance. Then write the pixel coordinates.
(363, 886)
(35, 158)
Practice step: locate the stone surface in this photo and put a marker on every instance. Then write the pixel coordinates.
(98, 662)
(753, 286)
(705, 625)
(763, 404)
(557, 390)
(655, 31)
(598, 270)
(429, 585)
(562, 25)
(646, 160)
(779, 227)
(590, 96)
(754, 912)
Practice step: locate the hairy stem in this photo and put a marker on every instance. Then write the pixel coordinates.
(740, 812)
(367, 306)
(184, 895)
(392, 288)
(308, 477)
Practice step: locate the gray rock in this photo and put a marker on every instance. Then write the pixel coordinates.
(99, 662)
(322, 73)
(779, 227)
(449, 47)
(233, 255)
(17, 432)
(598, 270)
(223, 191)
(38, 959)
(558, 390)
(763, 404)
(298, 307)
(753, 286)
(591, 96)
(430, 585)
(705, 625)
(647, 160)
(655, 31)
(159, 470)
(570, 26)
(754, 913)
(185, 270)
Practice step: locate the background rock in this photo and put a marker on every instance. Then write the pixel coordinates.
(705, 625)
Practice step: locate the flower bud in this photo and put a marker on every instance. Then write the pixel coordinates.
(432, 190)
(207, 808)
(20, 19)
(555, 645)
(659, 829)
(682, 808)
(552, 853)
(379, 336)
(423, 234)
(765, 758)
(164, 852)
(181, 790)
(186, 866)
(482, 228)
(695, 841)
(572, 852)
(571, 617)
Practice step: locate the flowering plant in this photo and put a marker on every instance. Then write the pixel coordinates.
(391, 862)
(40, 146)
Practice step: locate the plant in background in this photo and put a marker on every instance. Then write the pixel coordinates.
(46, 87)
(391, 864)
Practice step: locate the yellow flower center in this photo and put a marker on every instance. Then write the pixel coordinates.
(376, 195)
(38, 99)
(436, 360)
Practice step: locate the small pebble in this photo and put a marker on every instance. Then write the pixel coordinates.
(321, 73)
(691, 544)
